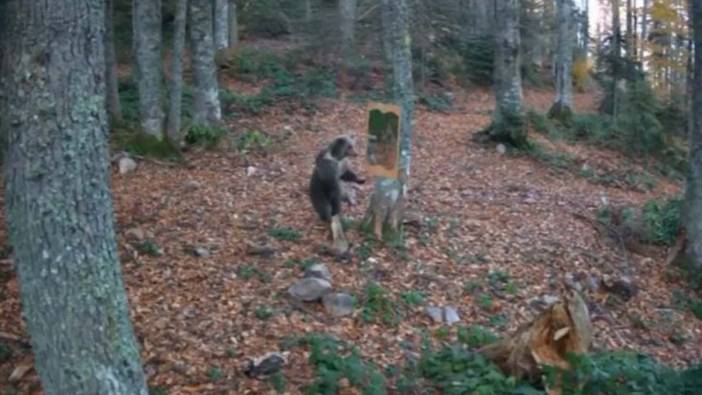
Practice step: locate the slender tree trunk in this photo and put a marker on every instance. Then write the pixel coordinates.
(146, 26)
(586, 30)
(617, 55)
(58, 203)
(308, 11)
(233, 25)
(644, 30)
(347, 21)
(114, 109)
(386, 18)
(176, 83)
(562, 106)
(694, 180)
(630, 49)
(220, 18)
(206, 106)
(390, 195)
(508, 123)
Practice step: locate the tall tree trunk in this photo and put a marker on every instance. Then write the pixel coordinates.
(347, 21)
(616, 55)
(389, 194)
(176, 83)
(220, 18)
(146, 35)
(387, 43)
(206, 106)
(630, 31)
(233, 24)
(308, 11)
(562, 106)
(644, 30)
(586, 31)
(58, 203)
(508, 120)
(694, 180)
(114, 109)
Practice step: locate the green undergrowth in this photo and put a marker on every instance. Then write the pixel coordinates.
(283, 79)
(459, 369)
(637, 136)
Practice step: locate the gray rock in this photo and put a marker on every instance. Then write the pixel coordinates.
(309, 289)
(266, 365)
(435, 313)
(201, 252)
(191, 185)
(126, 165)
(318, 270)
(501, 149)
(338, 304)
(135, 234)
(451, 315)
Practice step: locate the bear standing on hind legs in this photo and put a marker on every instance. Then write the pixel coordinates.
(327, 189)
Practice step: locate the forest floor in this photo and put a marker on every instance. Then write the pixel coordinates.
(480, 215)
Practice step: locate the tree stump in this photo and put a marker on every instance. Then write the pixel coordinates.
(562, 329)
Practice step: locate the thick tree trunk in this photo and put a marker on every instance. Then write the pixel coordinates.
(233, 24)
(58, 203)
(347, 23)
(114, 109)
(220, 18)
(389, 194)
(562, 106)
(176, 83)
(694, 180)
(508, 121)
(146, 26)
(206, 106)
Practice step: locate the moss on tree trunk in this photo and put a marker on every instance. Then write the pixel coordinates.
(58, 204)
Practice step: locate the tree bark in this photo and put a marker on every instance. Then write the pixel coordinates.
(508, 124)
(616, 55)
(389, 195)
(220, 18)
(562, 106)
(347, 22)
(58, 203)
(146, 26)
(176, 83)
(308, 11)
(644, 29)
(694, 180)
(233, 24)
(206, 105)
(114, 109)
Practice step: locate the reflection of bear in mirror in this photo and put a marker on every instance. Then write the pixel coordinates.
(383, 139)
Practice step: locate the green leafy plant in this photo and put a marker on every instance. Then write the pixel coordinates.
(475, 336)
(263, 312)
(214, 373)
(205, 136)
(286, 234)
(379, 306)
(412, 298)
(333, 360)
